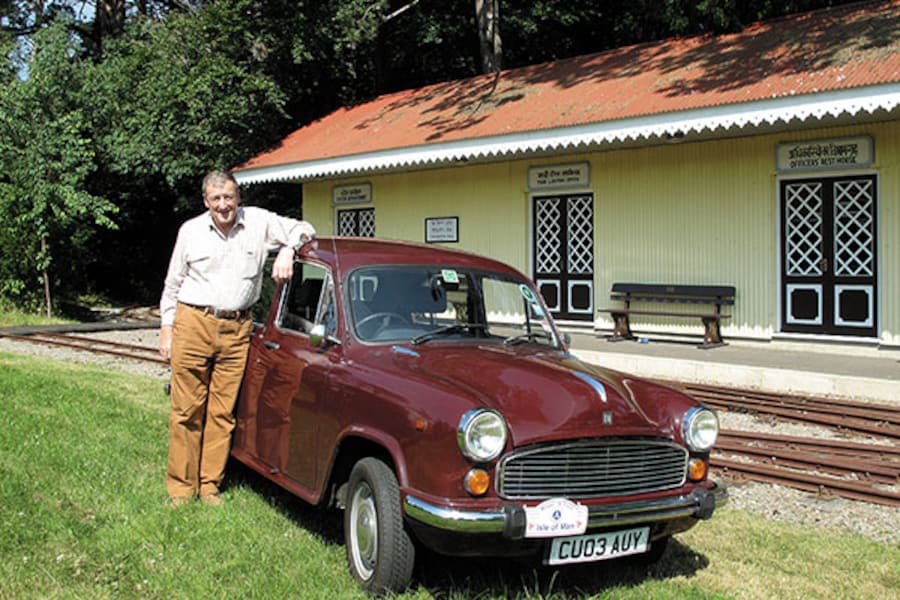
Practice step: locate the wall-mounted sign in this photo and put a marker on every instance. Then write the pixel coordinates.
(442, 229)
(575, 175)
(357, 193)
(840, 153)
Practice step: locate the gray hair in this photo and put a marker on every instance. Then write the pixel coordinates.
(217, 178)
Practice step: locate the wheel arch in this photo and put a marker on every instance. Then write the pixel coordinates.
(352, 448)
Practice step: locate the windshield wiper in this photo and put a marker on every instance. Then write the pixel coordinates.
(445, 330)
(531, 336)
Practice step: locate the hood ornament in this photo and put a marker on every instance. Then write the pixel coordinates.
(598, 387)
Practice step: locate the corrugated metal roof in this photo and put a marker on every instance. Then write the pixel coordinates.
(840, 61)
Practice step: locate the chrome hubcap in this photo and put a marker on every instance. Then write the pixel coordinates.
(363, 530)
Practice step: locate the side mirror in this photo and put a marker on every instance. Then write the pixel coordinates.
(317, 335)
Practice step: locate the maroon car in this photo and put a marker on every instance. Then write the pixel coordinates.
(428, 393)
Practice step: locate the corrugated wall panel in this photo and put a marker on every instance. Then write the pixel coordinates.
(702, 213)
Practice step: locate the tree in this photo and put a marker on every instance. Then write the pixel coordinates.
(46, 155)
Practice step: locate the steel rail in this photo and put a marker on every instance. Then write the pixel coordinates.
(809, 461)
(42, 339)
(873, 426)
(889, 453)
(840, 403)
(90, 340)
(879, 414)
(808, 482)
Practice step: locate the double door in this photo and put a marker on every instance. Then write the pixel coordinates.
(563, 258)
(829, 266)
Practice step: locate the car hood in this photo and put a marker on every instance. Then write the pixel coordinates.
(550, 395)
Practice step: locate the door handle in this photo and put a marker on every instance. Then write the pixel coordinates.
(823, 265)
(271, 345)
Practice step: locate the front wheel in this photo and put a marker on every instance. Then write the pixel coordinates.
(379, 551)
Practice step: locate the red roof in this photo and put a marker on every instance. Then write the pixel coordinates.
(828, 50)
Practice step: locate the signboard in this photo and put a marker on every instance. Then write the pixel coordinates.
(839, 153)
(357, 193)
(442, 229)
(575, 175)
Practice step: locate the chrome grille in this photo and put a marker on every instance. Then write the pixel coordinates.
(592, 469)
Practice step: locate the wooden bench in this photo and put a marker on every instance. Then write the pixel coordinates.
(710, 295)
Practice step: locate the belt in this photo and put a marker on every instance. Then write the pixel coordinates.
(220, 313)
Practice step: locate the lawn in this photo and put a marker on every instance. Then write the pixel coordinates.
(83, 515)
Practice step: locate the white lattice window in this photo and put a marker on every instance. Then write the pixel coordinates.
(356, 222)
(549, 249)
(854, 228)
(581, 235)
(803, 220)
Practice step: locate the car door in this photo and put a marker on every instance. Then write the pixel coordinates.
(287, 381)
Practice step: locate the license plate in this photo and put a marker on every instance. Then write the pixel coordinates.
(598, 546)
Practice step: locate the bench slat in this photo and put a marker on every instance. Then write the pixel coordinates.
(675, 290)
(661, 313)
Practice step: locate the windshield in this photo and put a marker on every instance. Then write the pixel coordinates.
(426, 303)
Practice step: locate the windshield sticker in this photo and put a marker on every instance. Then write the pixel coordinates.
(532, 300)
(527, 293)
(450, 276)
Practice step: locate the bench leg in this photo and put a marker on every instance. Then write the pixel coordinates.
(622, 329)
(712, 337)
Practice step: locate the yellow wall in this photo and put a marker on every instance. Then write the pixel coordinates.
(702, 212)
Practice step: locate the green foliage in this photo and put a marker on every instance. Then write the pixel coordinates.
(45, 150)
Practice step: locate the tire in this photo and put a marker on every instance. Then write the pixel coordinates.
(380, 553)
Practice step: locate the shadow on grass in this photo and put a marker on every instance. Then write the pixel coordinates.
(452, 577)
(324, 523)
(456, 577)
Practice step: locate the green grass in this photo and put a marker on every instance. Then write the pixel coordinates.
(11, 316)
(83, 515)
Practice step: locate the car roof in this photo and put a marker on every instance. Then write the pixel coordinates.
(347, 253)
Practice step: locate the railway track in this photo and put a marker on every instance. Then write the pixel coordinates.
(859, 471)
(90, 344)
(869, 472)
(842, 415)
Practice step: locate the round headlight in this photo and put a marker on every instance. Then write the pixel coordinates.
(481, 435)
(701, 428)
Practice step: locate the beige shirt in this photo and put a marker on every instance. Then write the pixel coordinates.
(209, 269)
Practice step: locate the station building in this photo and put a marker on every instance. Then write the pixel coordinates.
(767, 160)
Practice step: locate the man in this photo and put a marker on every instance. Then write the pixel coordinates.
(214, 277)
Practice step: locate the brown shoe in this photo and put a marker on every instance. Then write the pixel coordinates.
(212, 500)
(176, 501)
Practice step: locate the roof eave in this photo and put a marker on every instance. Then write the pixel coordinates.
(716, 120)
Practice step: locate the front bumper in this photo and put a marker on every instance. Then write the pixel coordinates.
(510, 519)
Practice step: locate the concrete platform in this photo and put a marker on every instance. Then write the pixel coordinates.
(841, 371)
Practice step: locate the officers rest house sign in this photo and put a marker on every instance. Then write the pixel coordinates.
(357, 193)
(548, 177)
(818, 155)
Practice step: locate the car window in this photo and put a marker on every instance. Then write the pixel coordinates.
(399, 303)
(513, 310)
(300, 304)
(327, 313)
(260, 310)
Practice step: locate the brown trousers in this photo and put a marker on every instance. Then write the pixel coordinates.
(208, 359)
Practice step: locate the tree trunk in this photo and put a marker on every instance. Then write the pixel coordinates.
(487, 18)
(46, 276)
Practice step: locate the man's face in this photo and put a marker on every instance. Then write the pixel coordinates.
(222, 201)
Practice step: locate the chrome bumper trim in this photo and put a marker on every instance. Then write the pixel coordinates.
(608, 515)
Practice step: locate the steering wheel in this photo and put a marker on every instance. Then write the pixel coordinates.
(386, 317)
